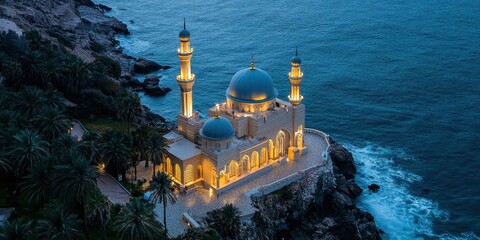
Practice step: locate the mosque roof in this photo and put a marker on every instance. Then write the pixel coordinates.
(251, 85)
(217, 128)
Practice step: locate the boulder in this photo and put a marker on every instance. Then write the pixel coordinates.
(145, 66)
(151, 79)
(156, 91)
(120, 27)
(351, 189)
(342, 160)
(373, 187)
(104, 8)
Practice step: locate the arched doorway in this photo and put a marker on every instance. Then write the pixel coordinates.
(281, 144)
(244, 165)
(189, 174)
(199, 172)
(168, 167)
(300, 137)
(263, 156)
(254, 160)
(232, 169)
(178, 173)
(271, 149)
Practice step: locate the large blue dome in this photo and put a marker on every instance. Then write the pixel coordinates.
(252, 86)
(217, 128)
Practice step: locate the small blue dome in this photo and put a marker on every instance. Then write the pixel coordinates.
(296, 59)
(252, 86)
(184, 33)
(217, 128)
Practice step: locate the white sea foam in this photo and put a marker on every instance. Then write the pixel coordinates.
(397, 212)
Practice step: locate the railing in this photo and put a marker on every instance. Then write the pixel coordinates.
(325, 154)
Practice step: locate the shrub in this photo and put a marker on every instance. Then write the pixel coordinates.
(113, 66)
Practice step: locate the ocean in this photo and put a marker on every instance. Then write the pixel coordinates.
(396, 82)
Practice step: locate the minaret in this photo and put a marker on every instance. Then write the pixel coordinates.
(187, 119)
(185, 79)
(298, 110)
(295, 76)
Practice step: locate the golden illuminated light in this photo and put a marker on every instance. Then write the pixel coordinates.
(101, 166)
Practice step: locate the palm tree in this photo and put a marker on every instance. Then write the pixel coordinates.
(58, 224)
(29, 102)
(18, 229)
(27, 147)
(157, 149)
(12, 71)
(9, 118)
(76, 71)
(4, 163)
(226, 220)
(129, 106)
(162, 191)
(136, 221)
(140, 137)
(98, 211)
(36, 185)
(52, 98)
(115, 152)
(52, 123)
(63, 146)
(75, 182)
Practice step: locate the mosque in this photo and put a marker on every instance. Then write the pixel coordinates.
(248, 132)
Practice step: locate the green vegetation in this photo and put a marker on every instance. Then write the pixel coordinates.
(49, 176)
(97, 47)
(101, 124)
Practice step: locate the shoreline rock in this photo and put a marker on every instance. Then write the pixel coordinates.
(321, 206)
(145, 66)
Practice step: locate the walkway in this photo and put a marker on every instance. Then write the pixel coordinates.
(199, 201)
(109, 187)
(112, 189)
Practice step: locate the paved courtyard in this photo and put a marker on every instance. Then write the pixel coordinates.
(199, 201)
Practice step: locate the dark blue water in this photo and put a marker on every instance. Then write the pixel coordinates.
(398, 82)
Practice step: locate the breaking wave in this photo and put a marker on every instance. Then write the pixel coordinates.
(397, 212)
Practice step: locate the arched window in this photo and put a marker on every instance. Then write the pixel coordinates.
(254, 160)
(189, 174)
(263, 156)
(178, 173)
(244, 165)
(232, 169)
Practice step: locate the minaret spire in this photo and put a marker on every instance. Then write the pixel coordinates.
(252, 63)
(295, 76)
(184, 25)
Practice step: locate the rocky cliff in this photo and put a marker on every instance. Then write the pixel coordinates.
(319, 206)
(78, 25)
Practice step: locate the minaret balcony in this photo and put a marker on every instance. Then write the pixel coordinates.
(190, 79)
(290, 75)
(188, 52)
(295, 101)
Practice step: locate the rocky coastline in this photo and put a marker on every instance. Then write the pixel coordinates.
(319, 206)
(82, 28)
